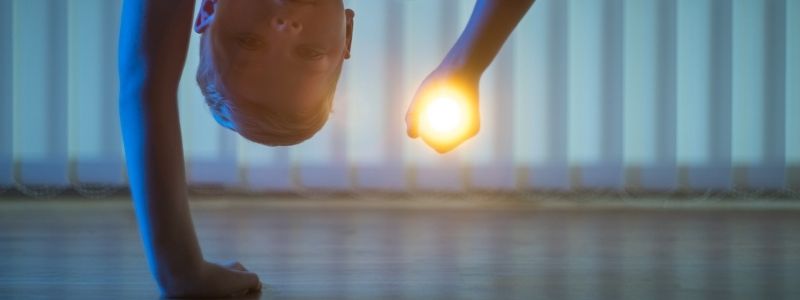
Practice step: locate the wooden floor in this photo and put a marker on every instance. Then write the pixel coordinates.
(409, 248)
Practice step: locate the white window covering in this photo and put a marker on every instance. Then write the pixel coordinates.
(612, 94)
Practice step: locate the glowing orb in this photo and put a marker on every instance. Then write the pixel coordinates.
(444, 115)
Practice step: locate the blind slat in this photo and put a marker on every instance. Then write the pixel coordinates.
(40, 91)
(6, 93)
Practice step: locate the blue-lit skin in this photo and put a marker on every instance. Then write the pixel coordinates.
(490, 25)
(151, 60)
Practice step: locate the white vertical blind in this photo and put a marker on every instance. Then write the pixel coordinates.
(594, 59)
(6, 96)
(92, 143)
(39, 91)
(649, 94)
(707, 106)
(759, 80)
(380, 98)
(613, 94)
(792, 94)
(694, 94)
(542, 89)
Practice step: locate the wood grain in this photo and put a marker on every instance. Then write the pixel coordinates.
(410, 247)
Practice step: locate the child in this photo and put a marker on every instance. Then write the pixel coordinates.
(268, 71)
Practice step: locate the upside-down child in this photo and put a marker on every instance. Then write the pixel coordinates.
(268, 71)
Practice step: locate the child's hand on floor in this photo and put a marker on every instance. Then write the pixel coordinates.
(458, 117)
(216, 281)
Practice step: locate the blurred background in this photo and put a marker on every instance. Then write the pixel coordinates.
(687, 95)
(630, 149)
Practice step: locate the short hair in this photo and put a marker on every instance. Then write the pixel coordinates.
(259, 123)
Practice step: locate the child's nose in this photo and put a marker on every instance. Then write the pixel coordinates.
(286, 25)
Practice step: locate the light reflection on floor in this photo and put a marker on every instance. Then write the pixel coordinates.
(328, 250)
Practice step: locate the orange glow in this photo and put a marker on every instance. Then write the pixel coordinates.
(445, 117)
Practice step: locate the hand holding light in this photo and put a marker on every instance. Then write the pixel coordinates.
(444, 111)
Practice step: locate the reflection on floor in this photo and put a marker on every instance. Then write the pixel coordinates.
(410, 248)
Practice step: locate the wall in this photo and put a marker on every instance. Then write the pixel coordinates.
(613, 94)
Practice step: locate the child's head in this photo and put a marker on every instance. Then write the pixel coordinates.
(269, 68)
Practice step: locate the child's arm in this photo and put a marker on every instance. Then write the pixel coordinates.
(154, 40)
(491, 23)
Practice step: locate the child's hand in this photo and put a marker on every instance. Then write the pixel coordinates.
(451, 122)
(216, 281)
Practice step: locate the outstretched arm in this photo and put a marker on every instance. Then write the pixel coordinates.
(490, 25)
(153, 43)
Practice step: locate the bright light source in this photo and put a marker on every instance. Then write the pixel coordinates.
(444, 115)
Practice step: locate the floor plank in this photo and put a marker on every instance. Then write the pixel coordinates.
(419, 248)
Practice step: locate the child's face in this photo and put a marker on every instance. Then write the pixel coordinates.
(282, 54)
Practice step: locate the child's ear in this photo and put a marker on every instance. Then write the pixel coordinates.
(350, 14)
(205, 16)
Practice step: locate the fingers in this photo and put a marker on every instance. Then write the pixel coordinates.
(411, 124)
(241, 281)
(442, 149)
(244, 283)
(445, 147)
